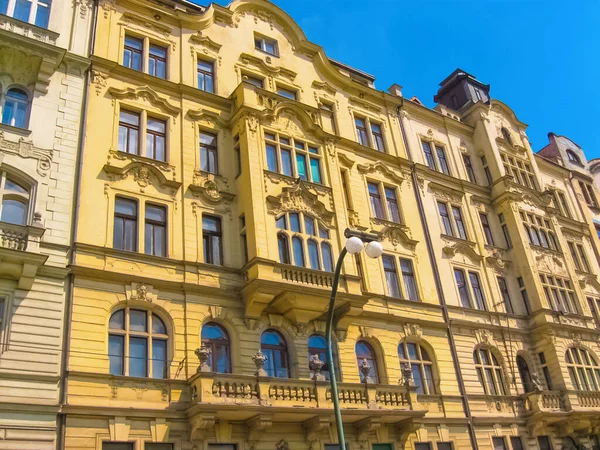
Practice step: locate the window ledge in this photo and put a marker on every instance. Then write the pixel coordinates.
(28, 29)
(277, 177)
(15, 130)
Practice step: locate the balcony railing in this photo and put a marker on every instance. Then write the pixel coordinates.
(227, 389)
(13, 237)
(588, 399)
(306, 276)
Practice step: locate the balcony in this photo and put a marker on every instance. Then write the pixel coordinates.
(19, 252)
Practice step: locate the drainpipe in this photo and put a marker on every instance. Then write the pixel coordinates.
(68, 312)
(583, 215)
(438, 285)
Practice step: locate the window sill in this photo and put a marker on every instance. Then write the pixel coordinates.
(274, 55)
(276, 177)
(458, 239)
(545, 249)
(15, 130)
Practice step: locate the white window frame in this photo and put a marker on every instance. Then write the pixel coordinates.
(10, 11)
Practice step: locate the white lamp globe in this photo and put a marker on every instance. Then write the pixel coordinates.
(374, 249)
(354, 245)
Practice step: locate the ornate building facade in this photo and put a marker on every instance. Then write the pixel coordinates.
(43, 64)
(225, 155)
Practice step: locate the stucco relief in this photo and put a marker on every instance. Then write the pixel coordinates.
(25, 149)
(452, 248)
(211, 188)
(395, 233)
(383, 169)
(140, 23)
(148, 94)
(248, 60)
(547, 262)
(208, 117)
(300, 198)
(141, 292)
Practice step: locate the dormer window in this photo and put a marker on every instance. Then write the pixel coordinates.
(573, 158)
(36, 12)
(267, 45)
(506, 136)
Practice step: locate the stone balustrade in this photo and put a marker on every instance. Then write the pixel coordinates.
(306, 276)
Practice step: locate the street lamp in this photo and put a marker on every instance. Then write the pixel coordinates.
(355, 244)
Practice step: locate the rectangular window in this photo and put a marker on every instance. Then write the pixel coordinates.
(505, 231)
(441, 155)
(487, 231)
(564, 206)
(163, 446)
(258, 82)
(157, 61)
(129, 129)
(519, 169)
(584, 261)
(377, 137)
(545, 370)
(138, 357)
(2, 313)
(206, 76)
(499, 443)
(477, 290)
(132, 53)
(266, 45)
(155, 235)
(212, 237)
(458, 220)
(539, 231)
(486, 170)
(559, 293)
(125, 225)
(423, 446)
(287, 93)
(238, 155)
(116, 354)
(516, 443)
(469, 169)
(328, 116)
(588, 194)
(463, 290)
(391, 276)
(243, 237)
(292, 157)
(524, 295)
(408, 279)
(382, 447)
(208, 153)
(156, 133)
(544, 443)
(444, 446)
(361, 131)
(429, 158)
(446, 222)
(505, 295)
(575, 256)
(392, 204)
(117, 446)
(376, 204)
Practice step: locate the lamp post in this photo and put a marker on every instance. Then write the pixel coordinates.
(355, 244)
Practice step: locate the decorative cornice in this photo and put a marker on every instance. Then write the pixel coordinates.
(383, 169)
(206, 185)
(266, 65)
(210, 117)
(148, 93)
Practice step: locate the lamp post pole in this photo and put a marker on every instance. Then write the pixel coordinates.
(354, 245)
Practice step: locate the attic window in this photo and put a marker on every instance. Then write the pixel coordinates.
(267, 45)
(506, 135)
(573, 158)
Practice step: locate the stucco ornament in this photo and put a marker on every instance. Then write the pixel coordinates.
(203, 353)
(140, 292)
(25, 149)
(316, 365)
(211, 188)
(142, 176)
(299, 198)
(259, 360)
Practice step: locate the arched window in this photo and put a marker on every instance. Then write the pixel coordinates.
(15, 108)
(489, 372)
(525, 374)
(317, 345)
(273, 346)
(573, 158)
(310, 245)
(506, 135)
(137, 344)
(15, 200)
(583, 369)
(420, 364)
(364, 352)
(216, 339)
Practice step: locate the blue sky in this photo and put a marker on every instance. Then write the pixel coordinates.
(540, 57)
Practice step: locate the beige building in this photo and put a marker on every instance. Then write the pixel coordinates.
(43, 48)
(224, 157)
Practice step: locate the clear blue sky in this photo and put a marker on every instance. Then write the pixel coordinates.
(541, 57)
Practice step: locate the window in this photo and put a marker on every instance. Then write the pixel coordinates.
(583, 369)
(559, 293)
(155, 138)
(579, 257)
(525, 374)
(505, 295)
(156, 230)
(469, 169)
(544, 443)
(273, 346)
(308, 237)
(435, 161)
(409, 289)
(244, 238)
(266, 45)
(132, 53)
(392, 204)
(486, 170)
(238, 155)
(519, 169)
(160, 446)
(287, 93)
(15, 200)
(390, 211)
(560, 203)
(573, 158)
(516, 443)
(376, 204)
(293, 158)
(545, 370)
(489, 372)
(420, 365)
(328, 117)
(117, 446)
(506, 136)
(377, 137)
(129, 127)
(487, 231)
(423, 446)
(391, 276)
(458, 220)
(447, 227)
(499, 443)
(36, 12)
(361, 131)
(137, 344)
(587, 191)
(539, 231)
(594, 305)
(15, 110)
(215, 338)
(125, 227)
(408, 279)
(524, 295)
(470, 296)
(505, 230)
(346, 188)
(450, 224)
(364, 352)
(212, 237)
(318, 346)
(208, 153)
(206, 75)
(258, 82)
(157, 61)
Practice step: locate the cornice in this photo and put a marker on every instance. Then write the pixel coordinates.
(433, 116)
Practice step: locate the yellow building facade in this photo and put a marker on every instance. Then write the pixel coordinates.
(224, 157)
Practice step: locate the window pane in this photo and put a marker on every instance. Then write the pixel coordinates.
(295, 222)
(115, 354)
(315, 170)
(159, 358)
(42, 15)
(272, 158)
(117, 320)
(284, 252)
(13, 211)
(309, 225)
(117, 446)
(301, 166)
(298, 251)
(211, 224)
(313, 255)
(138, 357)
(137, 320)
(22, 10)
(158, 326)
(408, 277)
(499, 443)
(286, 162)
(327, 257)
